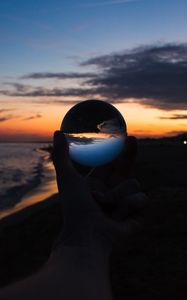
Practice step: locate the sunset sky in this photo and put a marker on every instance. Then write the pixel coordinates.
(55, 53)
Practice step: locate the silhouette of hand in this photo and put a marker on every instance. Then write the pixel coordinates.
(118, 193)
(101, 207)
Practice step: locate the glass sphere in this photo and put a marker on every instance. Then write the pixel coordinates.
(95, 131)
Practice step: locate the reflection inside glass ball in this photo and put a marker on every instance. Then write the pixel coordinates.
(95, 131)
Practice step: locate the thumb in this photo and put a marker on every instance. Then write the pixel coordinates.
(60, 149)
(124, 165)
(61, 160)
(73, 187)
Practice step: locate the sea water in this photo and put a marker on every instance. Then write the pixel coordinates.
(22, 166)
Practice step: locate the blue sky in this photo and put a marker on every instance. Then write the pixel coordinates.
(43, 35)
(133, 53)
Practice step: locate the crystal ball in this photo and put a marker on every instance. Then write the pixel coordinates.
(95, 131)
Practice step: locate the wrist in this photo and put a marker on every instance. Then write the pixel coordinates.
(84, 240)
(81, 257)
(89, 234)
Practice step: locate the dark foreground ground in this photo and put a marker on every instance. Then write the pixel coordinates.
(153, 265)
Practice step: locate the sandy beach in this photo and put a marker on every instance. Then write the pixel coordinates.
(151, 265)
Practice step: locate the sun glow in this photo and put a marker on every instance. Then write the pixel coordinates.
(141, 121)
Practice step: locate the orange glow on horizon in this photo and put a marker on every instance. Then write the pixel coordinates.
(141, 121)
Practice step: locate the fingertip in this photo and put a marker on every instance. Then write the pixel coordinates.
(58, 135)
(59, 138)
(131, 146)
(132, 138)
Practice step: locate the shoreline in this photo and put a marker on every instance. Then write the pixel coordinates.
(41, 188)
(25, 213)
(46, 189)
(27, 239)
(151, 264)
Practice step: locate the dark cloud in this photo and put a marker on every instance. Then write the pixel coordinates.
(6, 118)
(176, 133)
(40, 92)
(64, 102)
(154, 76)
(48, 75)
(175, 117)
(5, 110)
(37, 116)
(21, 88)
